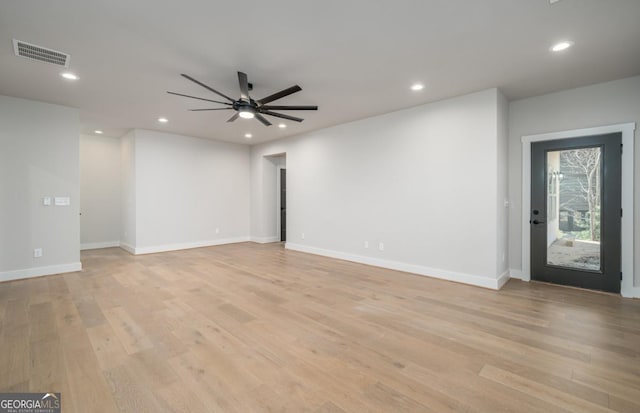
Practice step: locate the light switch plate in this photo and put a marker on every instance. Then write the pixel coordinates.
(46, 201)
(62, 201)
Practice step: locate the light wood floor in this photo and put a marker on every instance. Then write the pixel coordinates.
(252, 328)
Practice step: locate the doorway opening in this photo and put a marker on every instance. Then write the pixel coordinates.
(275, 197)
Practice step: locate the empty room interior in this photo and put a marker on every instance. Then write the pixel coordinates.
(331, 206)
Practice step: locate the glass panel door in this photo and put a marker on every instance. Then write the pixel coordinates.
(575, 211)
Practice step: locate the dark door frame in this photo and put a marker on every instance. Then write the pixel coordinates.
(627, 252)
(608, 278)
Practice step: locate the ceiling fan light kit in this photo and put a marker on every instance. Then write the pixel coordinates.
(245, 106)
(246, 112)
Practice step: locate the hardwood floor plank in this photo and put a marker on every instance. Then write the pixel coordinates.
(87, 384)
(193, 374)
(130, 334)
(541, 391)
(42, 324)
(236, 313)
(47, 370)
(624, 406)
(258, 328)
(131, 394)
(90, 312)
(181, 399)
(38, 290)
(16, 313)
(108, 349)
(389, 399)
(14, 356)
(152, 368)
(613, 385)
(329, 407)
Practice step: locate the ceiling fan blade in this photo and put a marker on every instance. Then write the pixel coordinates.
(206, 87)
(290, 107)
(199, 110)
(244, 85)
(280, 95)
(234, 117)
(262, 119)
(194, 97)
(280, 115)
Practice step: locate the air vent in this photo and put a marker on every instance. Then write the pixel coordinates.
(41, 54)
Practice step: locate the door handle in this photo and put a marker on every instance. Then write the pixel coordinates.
(536, 222)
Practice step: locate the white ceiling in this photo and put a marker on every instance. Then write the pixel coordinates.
(353, 58)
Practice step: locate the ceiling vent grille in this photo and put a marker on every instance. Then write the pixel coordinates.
(41, 54)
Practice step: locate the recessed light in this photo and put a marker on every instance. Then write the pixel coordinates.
(282, 126)
(248, 135)
(69, 76)
(163, 120)
(564, 45)
(417, 86)
(98, 132)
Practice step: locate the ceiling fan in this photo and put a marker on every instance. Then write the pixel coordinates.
(246, 107)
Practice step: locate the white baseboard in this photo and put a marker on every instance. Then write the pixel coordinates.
(265, 240)
(183, 246)
(40, 271)
(633, 292)
(480, 281)
(127, 247)
(503, 278)
(99, 245)
(518, 274)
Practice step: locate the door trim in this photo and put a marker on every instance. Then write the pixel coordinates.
(627, 288)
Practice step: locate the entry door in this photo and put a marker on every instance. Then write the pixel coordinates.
(576, 210)
(283, 204)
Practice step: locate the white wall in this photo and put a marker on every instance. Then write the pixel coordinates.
(128, 191)
(39, 151)
(188, 188)
(423, 181)
(596, 105)
(502, 200)
(100, 183)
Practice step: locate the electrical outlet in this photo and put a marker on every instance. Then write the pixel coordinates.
(46, 201)
(381, 246)
(37, 253)
(217, 230)
(366, 244)
(302, 235)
